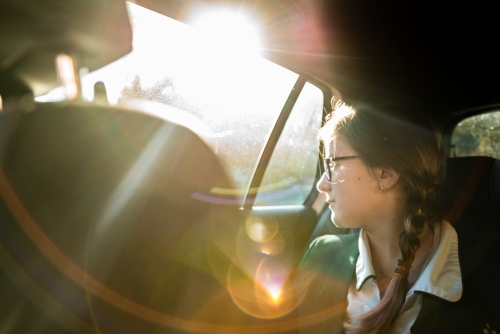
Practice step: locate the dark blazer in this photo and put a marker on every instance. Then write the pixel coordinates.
(328, 267)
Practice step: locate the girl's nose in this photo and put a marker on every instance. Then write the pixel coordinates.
(323, 185)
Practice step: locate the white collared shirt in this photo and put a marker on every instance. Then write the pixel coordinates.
(440, 276)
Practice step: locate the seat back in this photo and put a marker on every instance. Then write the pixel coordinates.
(472, 192)
(471, 199)
(107, 218)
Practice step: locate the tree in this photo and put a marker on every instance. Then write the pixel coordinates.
(478, 135)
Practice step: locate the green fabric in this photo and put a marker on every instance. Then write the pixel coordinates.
(326, 271)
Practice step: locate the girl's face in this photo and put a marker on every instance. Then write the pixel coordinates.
(353, 194)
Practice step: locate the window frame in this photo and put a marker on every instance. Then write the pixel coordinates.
(271, 142)
(452, 123)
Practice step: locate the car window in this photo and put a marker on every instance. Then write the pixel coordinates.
(291, 172)
(231, 99)
(477, 136)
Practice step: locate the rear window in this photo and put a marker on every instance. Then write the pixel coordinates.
(477, 136)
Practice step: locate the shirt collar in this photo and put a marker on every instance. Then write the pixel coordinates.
(364, 268)
(441, 274)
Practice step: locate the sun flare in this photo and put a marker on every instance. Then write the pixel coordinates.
(228, 33)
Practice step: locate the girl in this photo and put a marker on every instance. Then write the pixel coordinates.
(383, 171)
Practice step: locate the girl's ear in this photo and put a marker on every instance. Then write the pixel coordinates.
(387, 178)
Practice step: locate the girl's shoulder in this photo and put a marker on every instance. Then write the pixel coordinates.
(327, 248)
(331, 242)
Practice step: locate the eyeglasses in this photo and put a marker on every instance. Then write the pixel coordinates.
(330, 163)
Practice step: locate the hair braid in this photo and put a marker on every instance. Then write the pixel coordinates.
(382, 317)
(414, 222)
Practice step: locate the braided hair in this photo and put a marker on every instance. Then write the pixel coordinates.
(389, 136)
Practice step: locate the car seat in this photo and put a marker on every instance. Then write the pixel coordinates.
(471, 199)
(107, 223)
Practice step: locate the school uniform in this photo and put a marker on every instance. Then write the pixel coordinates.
(337, 281)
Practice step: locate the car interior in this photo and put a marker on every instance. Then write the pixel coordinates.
(152, 184)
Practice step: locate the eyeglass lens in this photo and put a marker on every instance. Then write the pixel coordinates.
(330, 163)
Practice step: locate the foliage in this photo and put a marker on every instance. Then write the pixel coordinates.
(478, 135)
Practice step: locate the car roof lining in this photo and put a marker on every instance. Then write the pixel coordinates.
(96, 32)
(370, 52)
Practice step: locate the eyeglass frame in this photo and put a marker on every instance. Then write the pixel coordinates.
(327, 161)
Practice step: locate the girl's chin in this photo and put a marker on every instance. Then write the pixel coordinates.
(341, 223)
(337, 222)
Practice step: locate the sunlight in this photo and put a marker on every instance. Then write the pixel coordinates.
(136, 176)
(210, 70)
(228, 33)
(221, 58)
(214, 64)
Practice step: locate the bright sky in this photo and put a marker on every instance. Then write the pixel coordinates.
(165, 46)
(215, 62)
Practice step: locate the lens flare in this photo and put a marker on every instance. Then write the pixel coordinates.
(275, 293)
(275, 246)
(267, 295)
(261, 230)
(257, 230)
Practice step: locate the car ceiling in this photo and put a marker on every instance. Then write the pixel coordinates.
(34, 31)
(439, 57)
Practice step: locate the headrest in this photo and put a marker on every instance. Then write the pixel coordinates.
(86, 163)
(472, 189)
(130, 199)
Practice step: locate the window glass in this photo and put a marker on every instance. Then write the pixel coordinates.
(477, 136)
(291, 172)
(232, 100)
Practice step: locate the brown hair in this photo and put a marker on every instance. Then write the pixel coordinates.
(389, 136)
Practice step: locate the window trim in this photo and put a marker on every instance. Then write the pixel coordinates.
(453, 123)
(272, 141)
(267, 151)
